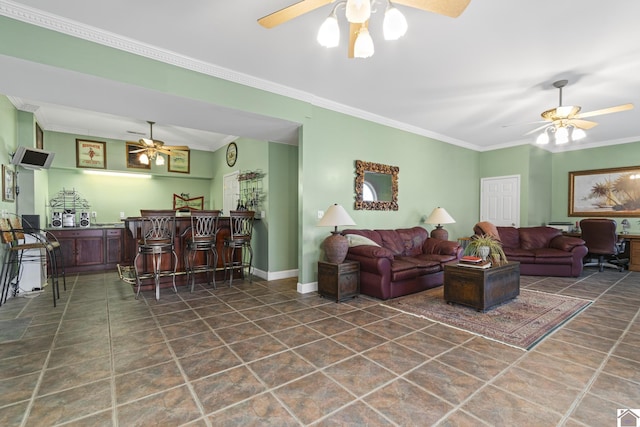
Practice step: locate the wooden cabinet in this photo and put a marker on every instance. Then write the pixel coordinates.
(634, 254)
(90, 249)
(339, 281)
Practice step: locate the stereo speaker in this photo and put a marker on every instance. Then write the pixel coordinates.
(56, 219)
(84, 219)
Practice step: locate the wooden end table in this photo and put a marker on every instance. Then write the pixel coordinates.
(481, 289)
(339, 281)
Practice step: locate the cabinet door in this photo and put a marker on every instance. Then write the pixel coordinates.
(67, 246)
(89, 250)
(114, 246)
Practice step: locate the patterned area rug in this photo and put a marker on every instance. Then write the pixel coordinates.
(521, 322)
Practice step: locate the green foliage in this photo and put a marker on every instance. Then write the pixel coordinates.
(495, 247)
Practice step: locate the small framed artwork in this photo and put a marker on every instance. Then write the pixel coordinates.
(186, 202)
(39, 137)
(8, 184)
(91, 154)
(180, 161)
(133, 157)
(605, 192)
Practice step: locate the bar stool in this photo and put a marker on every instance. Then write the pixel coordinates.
(204, 229)
(241, 229)
(16, 254)
(48, 241)
(158, 229)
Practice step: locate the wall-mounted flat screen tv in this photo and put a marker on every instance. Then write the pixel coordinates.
(32, 158)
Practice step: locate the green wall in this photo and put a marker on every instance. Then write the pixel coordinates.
(432, 173)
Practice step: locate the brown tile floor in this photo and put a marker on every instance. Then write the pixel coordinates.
(262, 354)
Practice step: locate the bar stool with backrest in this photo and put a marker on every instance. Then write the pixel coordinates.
(48, 240)
(17, 253)
(204, 230)
(158, 230)
(241, 229)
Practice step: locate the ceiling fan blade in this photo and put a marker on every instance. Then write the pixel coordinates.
(146, 142)
(582, 124)
(176, 147)
(537, 129)
(609, 110)
(450, 8)
(290, 12)
(139, 150)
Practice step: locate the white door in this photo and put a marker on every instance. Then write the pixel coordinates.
(500, 200)
(230, 192)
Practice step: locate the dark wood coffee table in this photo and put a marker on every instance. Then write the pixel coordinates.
(481, 289)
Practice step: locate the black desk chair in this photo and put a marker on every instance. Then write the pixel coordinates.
(603, 243)
(158, 231)
(204, 230)
(241, 229)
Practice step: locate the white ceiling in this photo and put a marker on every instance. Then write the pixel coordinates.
(458, 80)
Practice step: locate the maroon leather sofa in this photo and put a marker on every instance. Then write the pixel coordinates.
(399, 262)
(541, 251)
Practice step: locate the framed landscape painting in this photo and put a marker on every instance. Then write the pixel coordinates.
(179, 161)
(611, 192)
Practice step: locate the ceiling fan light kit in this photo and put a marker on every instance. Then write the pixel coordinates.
(358, 13)
(567, 123)
(151, 149)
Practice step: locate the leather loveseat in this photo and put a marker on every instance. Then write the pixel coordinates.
(399, 262)
(541, 251)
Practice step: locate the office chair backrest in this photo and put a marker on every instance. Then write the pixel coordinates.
(600, 235)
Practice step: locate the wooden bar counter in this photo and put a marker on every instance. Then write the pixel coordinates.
(132, 235)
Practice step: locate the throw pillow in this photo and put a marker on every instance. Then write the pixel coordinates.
(357, 240)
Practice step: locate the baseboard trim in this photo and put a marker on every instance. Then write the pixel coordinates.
(274, 275)
(305, 288)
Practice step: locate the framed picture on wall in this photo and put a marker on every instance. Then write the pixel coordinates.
(91, 154)
(8, 184)
(39, 137)
(605, 192)
(133, 156)
(179, 161)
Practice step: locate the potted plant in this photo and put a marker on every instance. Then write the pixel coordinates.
(494, 252)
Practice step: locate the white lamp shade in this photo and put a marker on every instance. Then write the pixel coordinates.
(159, 160)
(144, 159)
(363, 47)
(334, 216)
(358, 11)
(578, 134)
(543, 138)
(394, 24)
(562, 135)
(439, 216)
(329, 32)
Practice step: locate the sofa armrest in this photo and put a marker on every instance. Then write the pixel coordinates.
(371, 251)
(441, 247)
(566, 243)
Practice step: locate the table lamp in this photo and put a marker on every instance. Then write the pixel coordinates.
(336, 245)
(439, 216)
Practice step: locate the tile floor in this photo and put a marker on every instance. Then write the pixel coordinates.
(262, 354)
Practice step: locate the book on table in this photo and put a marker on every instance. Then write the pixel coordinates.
(481, 264)
(471, 259)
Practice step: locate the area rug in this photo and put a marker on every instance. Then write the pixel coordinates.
(521, 322)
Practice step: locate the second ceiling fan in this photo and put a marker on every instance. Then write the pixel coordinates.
(358, 13)
(151, 148)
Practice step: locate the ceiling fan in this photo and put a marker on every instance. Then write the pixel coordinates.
(151, 148)
(567, 118)
(358, 13)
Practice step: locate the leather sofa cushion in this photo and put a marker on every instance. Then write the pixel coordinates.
(413, 239)
(437, 258)
(537, 237)
(391, 240)
(402, 270)
(431, 265)
(509, 236)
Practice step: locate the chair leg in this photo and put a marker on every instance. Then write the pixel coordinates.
(175, 267)
(138, 281)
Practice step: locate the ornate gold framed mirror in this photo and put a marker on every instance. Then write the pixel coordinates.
(376, 186)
